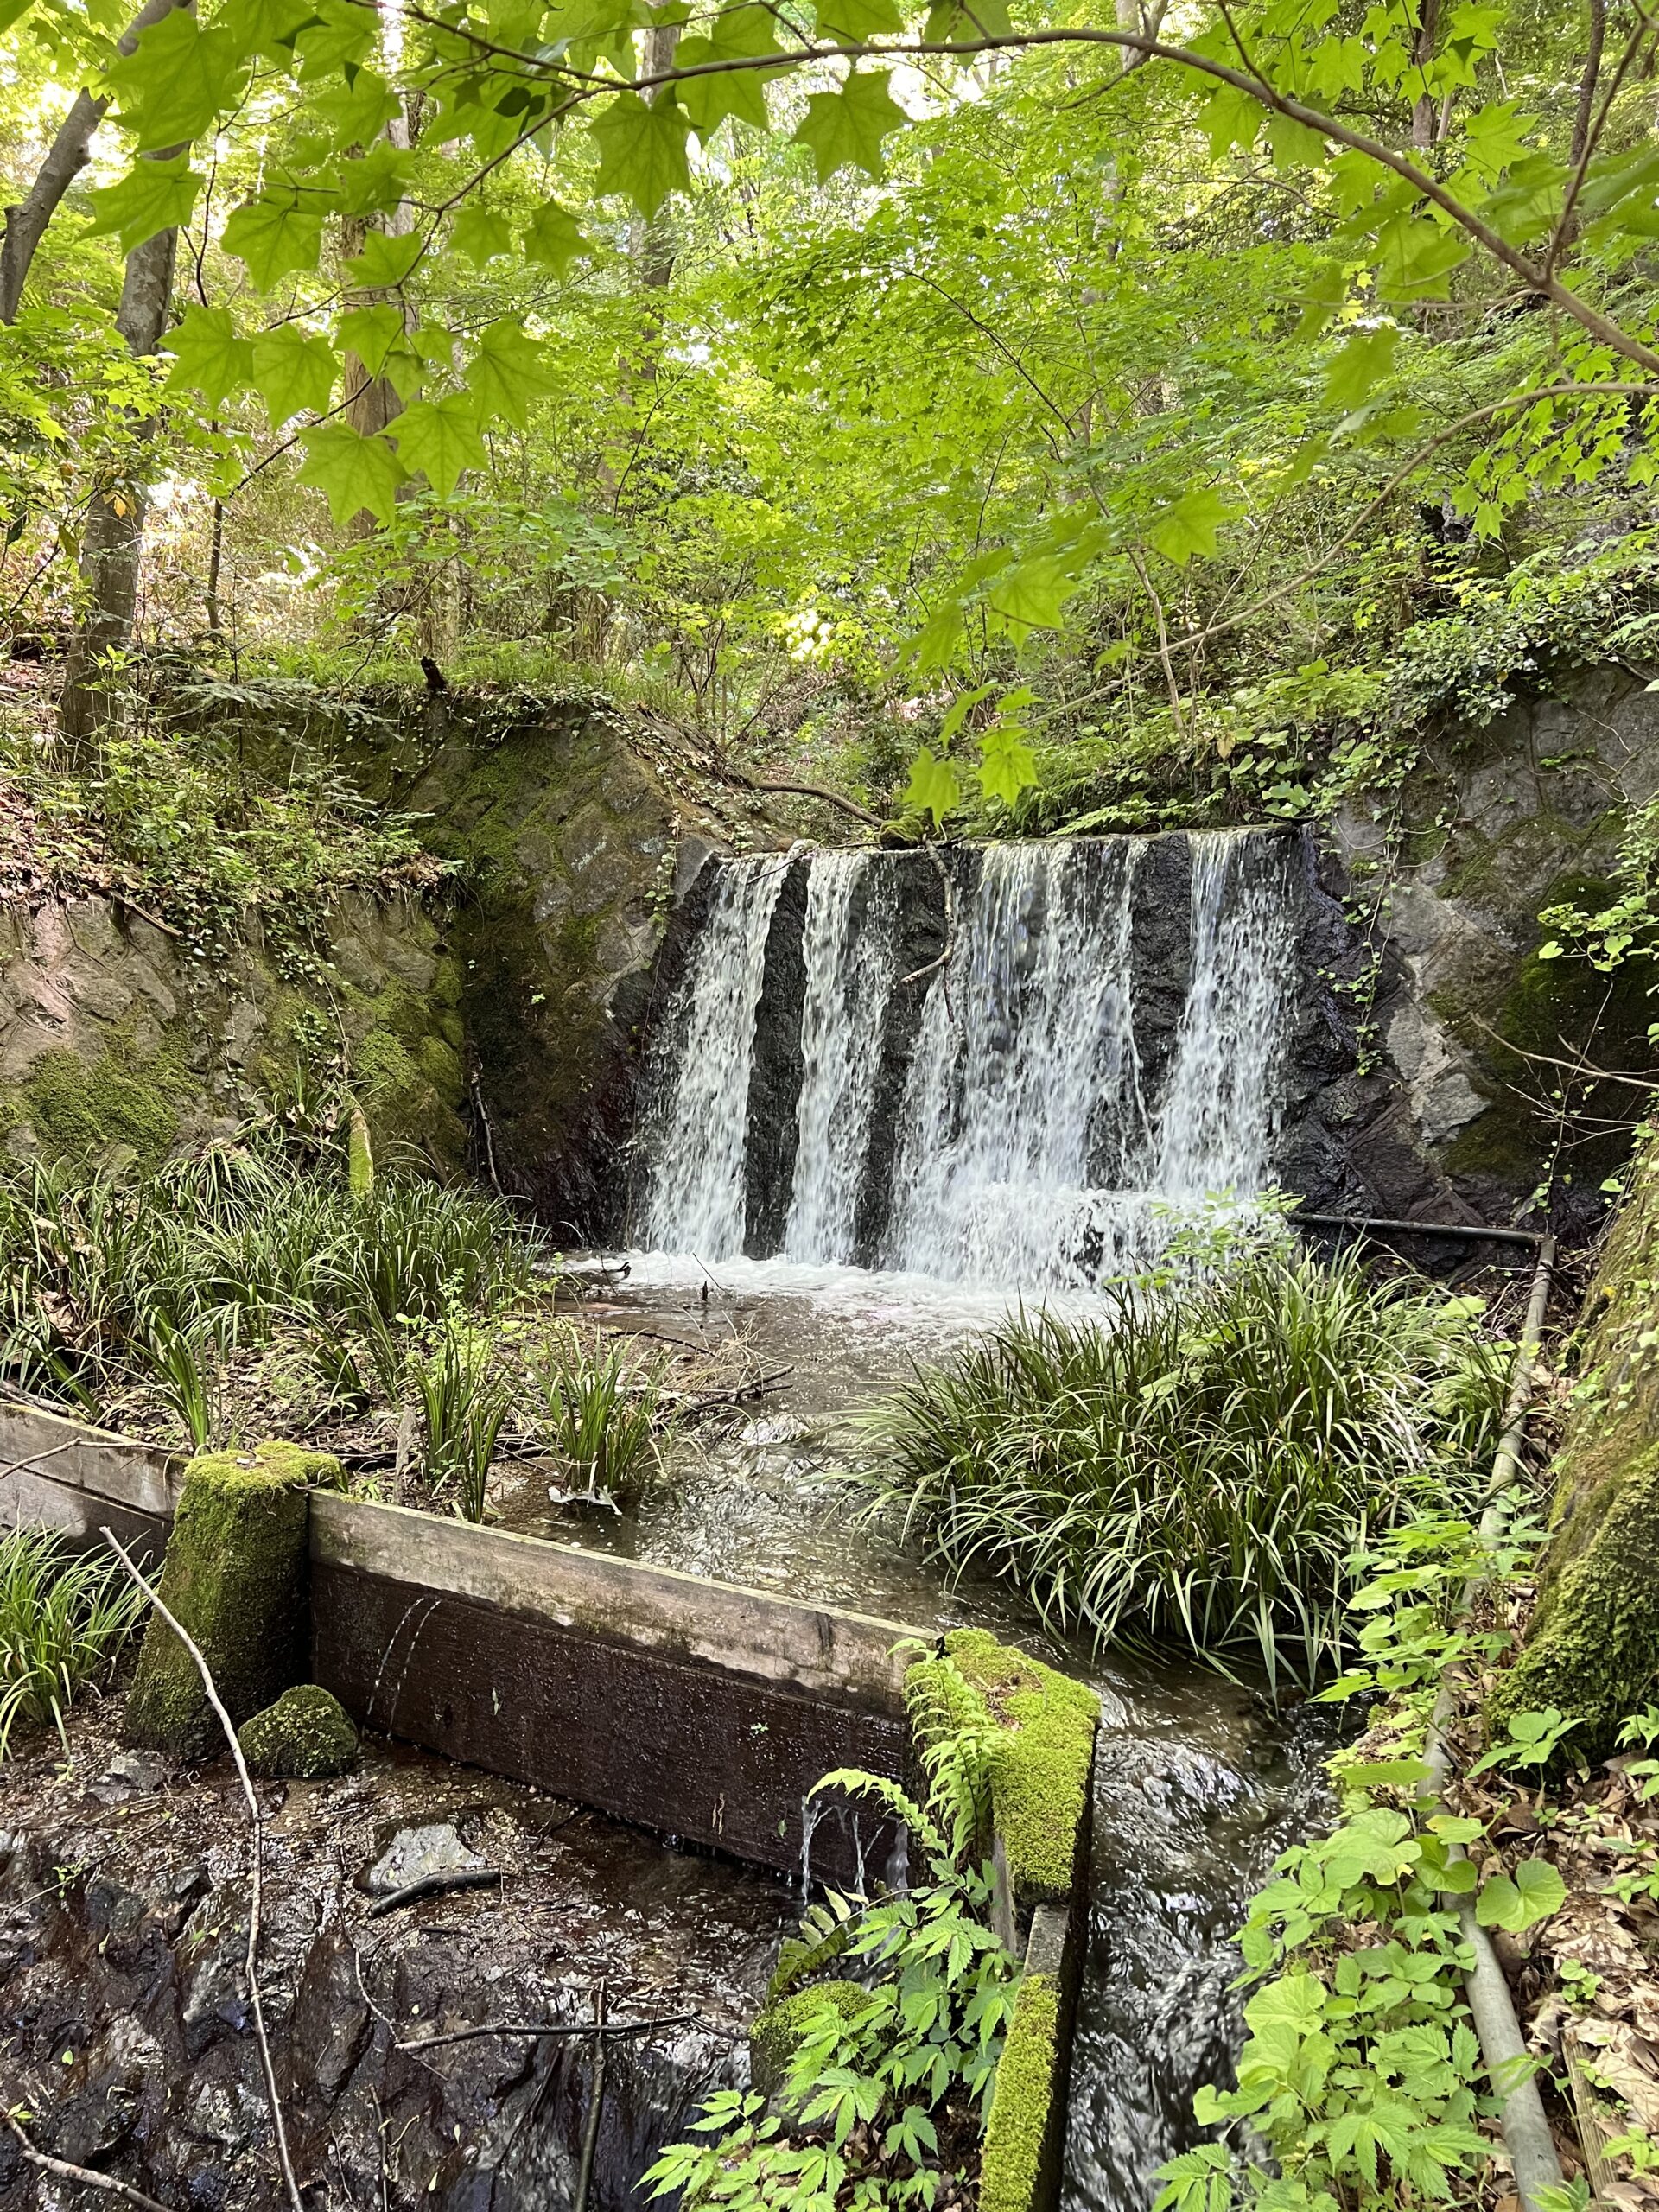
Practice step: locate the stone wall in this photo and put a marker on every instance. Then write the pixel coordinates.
(117, 1043)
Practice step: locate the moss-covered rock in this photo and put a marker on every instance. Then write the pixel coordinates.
(1013, 2174)
(305, 1737)
(1041, 1755)
(235, 1577)
(779, 2030)
(1594, 1647)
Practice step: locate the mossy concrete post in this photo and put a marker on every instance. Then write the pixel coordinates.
(1041, 1763)
(235, 1577)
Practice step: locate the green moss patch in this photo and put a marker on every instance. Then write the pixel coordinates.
(85, 1111)
(235, 1577)
(1593, 1649)
(305, 1737)
(779, 2030)
(1017, 2134)
(1041, 1755)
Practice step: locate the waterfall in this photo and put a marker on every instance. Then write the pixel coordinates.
(698, 1144)
(850, 973)
(1087, 1063)
(1026, 1070)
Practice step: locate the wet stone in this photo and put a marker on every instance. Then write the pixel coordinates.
(415, 1854)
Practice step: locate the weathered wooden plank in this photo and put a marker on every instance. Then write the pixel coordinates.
(845, 1656)
(57, 1473)
(674, 1742)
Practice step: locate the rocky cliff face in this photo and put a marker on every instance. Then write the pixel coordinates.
(1464, 1035)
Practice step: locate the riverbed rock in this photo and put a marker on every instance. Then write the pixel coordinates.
(417, 1854)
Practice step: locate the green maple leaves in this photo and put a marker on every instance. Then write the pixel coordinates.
(356, 474)
(844, 130)
(153, 196)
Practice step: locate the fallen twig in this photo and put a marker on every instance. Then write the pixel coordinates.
(38, 1459)
(65, 2171)
(595, 2106)
(942, 956)
(256, 1857)
(436, 1886)
(551, 2028)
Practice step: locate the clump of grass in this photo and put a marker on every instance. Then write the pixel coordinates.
(464, 1398)
(1199, 1464)
(111, 1281)
(601, 1416)
(63, 1620)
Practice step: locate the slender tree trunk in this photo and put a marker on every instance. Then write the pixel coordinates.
(653, 244)
(1425, 111)
(1584, 113)
(113, 537)
(215, 570)
(68, 154)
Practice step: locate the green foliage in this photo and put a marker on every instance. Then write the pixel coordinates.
(110, 1278)
(463, 1399)
(63, 1620)
(881, 2099)
(600, 1418)
(1200, 1465)
(1361, 2071)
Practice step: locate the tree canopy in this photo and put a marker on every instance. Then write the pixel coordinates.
(962, 391)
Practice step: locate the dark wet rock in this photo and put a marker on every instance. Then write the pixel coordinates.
(775, 1068)
(163, 2086)
(214, 1946)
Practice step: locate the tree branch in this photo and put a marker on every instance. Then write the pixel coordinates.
(85, 2174)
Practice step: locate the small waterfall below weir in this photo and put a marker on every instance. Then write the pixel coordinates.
(849, 953)
(1086, 1064)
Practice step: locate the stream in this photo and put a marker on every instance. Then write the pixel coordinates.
(1197, 1785)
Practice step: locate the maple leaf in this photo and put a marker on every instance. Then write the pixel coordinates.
(153, 196)
(961, 21)
(357, 110)
(293, 372)
(1032, 596)
(1189, 527)
(480, 234)
(371, 183)
(370, 334)
(858, 20)
(1006, 764)
(845, 128)
(359, 475)
(274, 238)
(552, 237)
(932, 789)
(641, 151)
(508, 371)
(176, 80)
(744, 33)
(386, 261)
(1362, 362)
(440, 437)
(209, 355)
(339, 36)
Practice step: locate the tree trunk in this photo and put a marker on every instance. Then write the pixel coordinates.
(1425, 108)
(1584, 113)
(68, 154)
(113, 537)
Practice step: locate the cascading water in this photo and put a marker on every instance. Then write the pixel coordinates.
(848, 950)
(864, 1117)
(1027, 1148)
(699, 1143)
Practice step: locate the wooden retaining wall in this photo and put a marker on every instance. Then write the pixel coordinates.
(700, 1709)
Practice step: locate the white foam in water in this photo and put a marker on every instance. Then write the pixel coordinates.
(1026, 1155)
